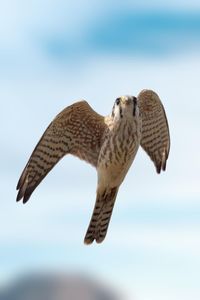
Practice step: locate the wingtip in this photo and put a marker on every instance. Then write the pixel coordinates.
(161, 167)
(17, 186)
(158, 168)
(21, 179)
(27, 194)
(19, 197)
(164, 167)
(164, 160)
(23, 192)
(25, 199)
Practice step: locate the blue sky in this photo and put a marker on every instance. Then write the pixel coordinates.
(52, 54)
(39, 32)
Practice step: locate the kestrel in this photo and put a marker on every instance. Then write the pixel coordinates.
(108, 143)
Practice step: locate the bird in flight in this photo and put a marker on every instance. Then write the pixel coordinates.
(108, 143)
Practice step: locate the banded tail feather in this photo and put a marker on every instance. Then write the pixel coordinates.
(101, 216)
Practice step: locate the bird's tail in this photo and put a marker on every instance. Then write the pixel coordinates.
(101, 216)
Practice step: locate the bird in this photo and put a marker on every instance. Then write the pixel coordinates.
(109, 143)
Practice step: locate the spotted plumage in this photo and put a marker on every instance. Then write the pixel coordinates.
(108, 143)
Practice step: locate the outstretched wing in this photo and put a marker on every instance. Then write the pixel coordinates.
(77, 130)
(155, 131)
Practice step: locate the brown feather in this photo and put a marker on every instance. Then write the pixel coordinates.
(155, 130)
(77, 130)
(101, 216)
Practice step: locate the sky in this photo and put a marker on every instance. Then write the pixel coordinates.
(57, 52)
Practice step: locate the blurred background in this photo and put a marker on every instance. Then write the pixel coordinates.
(53, 53)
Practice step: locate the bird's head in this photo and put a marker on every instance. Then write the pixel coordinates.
(125, 107)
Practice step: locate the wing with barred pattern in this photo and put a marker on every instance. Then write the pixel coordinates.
(77, 130)
(155, 130)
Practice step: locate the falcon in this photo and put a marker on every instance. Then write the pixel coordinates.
(108, 143)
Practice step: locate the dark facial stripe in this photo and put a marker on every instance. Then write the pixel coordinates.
(134, 105)
(120, 111)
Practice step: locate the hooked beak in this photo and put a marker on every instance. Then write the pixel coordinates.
(125, 101)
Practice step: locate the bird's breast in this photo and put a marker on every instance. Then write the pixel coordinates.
(118, 152)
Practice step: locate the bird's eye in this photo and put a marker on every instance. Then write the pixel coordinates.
(117, 101)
